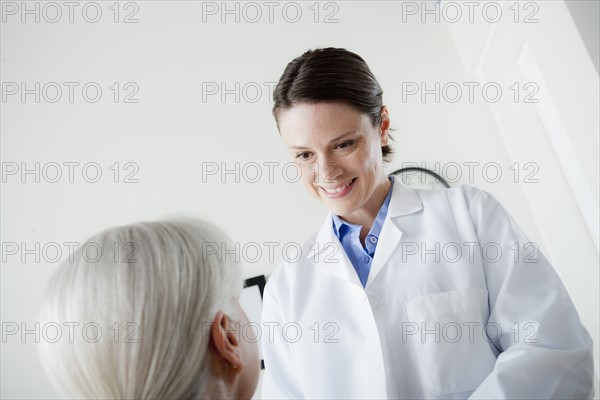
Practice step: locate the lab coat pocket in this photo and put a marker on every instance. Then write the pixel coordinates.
(447, 332)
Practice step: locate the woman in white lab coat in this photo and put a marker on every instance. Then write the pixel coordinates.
(404, 293)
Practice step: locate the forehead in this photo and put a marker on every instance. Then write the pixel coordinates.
(319, 122)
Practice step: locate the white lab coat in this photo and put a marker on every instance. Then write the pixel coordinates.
(443, 314)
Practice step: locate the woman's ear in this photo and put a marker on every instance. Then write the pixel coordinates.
(224, 338)
(384, 126)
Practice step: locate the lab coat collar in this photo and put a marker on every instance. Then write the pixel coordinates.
(405, 200)
(329, 253)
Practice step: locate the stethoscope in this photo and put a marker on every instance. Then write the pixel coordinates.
(423, 170)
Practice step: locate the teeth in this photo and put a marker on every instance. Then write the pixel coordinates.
(338, 189)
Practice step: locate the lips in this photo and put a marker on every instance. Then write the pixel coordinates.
(338, 191)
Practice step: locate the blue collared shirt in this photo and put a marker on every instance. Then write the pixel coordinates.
(348, 234)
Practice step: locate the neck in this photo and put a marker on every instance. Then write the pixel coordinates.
(366, 215)
(220, 390)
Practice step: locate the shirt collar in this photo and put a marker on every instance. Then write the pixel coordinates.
(378, 223)
(338, 223)
(406, 201)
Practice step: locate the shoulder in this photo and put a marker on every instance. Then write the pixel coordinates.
(295, 256)
(461, 195)
(464, 196)
(466, 206)
(486, 212)
(481, 204)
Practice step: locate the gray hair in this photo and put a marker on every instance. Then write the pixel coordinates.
(152, 289)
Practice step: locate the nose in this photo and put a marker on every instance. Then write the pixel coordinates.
(327, 170)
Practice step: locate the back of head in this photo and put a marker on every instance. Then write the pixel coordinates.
(140, 299)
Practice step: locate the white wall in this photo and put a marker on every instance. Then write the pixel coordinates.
(172, 133)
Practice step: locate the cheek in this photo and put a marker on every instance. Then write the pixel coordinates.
(375, 157)
(307, 177)
(366, 161)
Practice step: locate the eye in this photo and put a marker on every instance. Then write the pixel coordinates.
(305, 155)
(345, 145)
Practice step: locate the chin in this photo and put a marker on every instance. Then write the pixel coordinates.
(340, 209)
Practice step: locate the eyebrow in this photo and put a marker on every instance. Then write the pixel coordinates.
(332, 140)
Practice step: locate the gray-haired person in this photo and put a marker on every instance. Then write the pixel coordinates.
(152, 312)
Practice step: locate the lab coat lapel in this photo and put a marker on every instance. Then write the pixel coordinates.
(404, 201)
(329, 255)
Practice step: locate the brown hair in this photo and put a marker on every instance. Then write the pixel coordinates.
(330, 75)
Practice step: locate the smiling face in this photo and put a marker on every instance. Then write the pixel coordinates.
(339, 153)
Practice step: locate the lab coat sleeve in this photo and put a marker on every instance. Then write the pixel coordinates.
(545, 352)
(280, 379)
